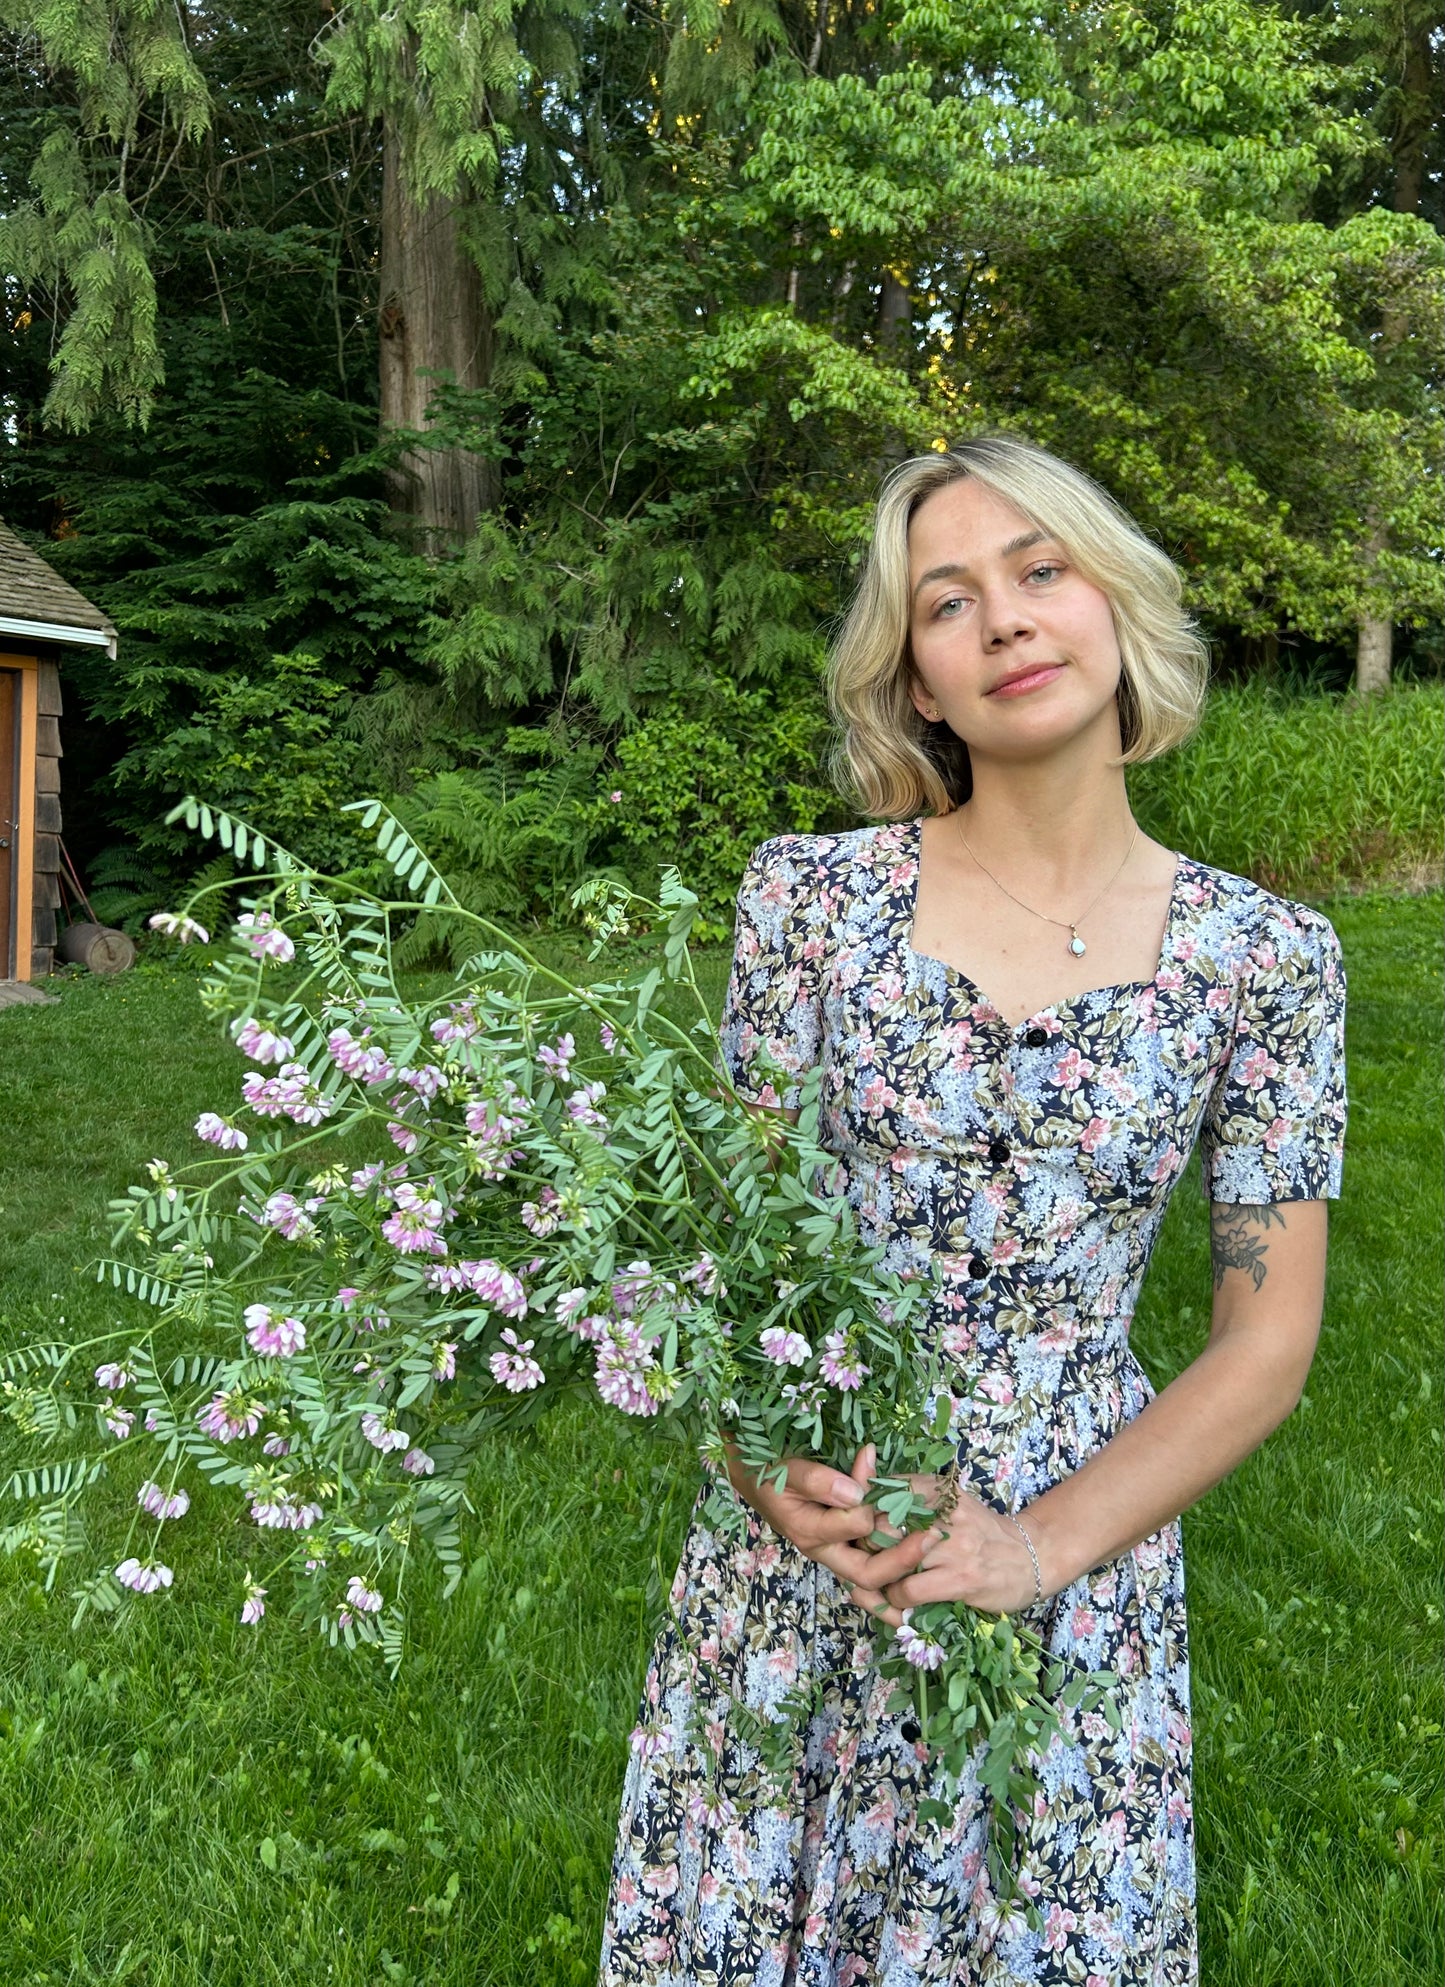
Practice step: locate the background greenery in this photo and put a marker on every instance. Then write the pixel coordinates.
(719, 265)
(191, 1802)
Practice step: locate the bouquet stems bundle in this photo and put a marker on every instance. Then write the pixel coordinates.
(420, 1221)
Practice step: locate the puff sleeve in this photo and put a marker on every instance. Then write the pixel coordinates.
(1274, 1126)
(772, 1022)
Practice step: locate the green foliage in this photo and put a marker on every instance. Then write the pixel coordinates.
(1305, 793)
(737, 260)
(717, 784)
(511, 838)
(127, 61)
(516, 838)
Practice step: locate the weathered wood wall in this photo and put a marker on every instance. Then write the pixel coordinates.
(46, 892)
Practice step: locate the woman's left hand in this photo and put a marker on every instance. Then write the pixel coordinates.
(975, 1556)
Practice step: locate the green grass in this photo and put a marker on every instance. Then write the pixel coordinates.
(1308, 793)
(189, 1802)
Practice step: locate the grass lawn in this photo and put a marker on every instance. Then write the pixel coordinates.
(190, 1801)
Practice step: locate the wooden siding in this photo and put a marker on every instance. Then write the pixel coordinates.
(46, 886)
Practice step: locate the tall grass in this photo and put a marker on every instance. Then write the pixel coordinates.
(1305, 793)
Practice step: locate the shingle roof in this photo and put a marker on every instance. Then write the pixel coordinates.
(30, 590)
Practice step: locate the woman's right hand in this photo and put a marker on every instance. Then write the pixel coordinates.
(824, 1513)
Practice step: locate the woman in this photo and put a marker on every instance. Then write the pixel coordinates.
(1026, 1010)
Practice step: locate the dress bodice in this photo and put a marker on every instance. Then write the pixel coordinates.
(1033, 1163)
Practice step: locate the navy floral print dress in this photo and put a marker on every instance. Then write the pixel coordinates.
(1036, 1163)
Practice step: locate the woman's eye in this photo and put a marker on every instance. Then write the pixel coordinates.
(944, 605)
(1049, 570)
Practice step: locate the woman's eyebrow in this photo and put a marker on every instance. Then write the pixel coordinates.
(954, 571)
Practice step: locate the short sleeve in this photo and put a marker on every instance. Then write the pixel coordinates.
(772, 1021)
(1274, 1127)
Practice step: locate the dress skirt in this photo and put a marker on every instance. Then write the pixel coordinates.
(723, 1877)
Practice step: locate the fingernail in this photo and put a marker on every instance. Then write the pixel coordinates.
(846, 1491)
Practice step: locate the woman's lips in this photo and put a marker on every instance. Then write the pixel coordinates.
(1024, 680)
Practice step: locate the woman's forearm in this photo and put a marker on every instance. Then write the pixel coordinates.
(1217, 1412)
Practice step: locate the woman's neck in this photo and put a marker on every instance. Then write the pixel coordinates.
(1054, 823)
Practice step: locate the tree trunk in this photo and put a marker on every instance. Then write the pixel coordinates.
(433, 316)
(1412, 125)
(895, 308)
(1373, 650)
(1374, 634)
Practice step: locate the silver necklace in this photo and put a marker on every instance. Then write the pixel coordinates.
(1071, 925)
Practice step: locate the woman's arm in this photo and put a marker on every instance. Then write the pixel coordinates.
(1269, 1270)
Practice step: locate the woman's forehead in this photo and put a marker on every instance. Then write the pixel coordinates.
(965, 521)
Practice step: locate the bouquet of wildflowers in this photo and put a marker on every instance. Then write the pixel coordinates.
(419, 1220)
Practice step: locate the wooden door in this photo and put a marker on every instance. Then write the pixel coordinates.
(9, 817)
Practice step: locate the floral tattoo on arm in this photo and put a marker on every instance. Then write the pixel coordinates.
(1236, 1240)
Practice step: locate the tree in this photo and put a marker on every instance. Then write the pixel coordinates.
(681, 286)
(1390, 56)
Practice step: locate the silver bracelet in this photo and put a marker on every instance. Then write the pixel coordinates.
(1038, 1575)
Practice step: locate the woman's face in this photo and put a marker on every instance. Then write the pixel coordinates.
(1010, 642)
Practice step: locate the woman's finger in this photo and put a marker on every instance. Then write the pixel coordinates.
(889, 1563)
(829, 1527)
(853, 1568)
(821, 1485)
(919, 1588)
(876, 1604)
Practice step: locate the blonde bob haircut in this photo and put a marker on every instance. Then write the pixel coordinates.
(890, 761)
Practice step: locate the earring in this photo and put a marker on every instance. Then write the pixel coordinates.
(934, 715)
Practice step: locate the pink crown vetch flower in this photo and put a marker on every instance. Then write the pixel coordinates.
(143, 1576)
(513, 1369)
(177, 927)
(261, 1044)
(273, 1337)
(264, 937)
(219, 1131)
(840, 1368)
(227, 1416)
(920, 1650)
(152, 1498)
(381, 1435)
(785, 1348)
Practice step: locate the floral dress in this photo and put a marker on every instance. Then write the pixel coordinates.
(1035, 1162)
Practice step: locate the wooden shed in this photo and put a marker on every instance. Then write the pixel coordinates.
(41, 616)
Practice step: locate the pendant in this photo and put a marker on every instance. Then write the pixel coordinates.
(1077, 945)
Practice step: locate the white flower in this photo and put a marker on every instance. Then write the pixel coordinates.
(181, 928)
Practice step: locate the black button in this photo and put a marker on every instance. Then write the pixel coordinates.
(998, 1152)
(913, 1733)
(1037, 1037)
(977, 1267)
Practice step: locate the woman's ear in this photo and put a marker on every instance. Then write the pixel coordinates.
(922, 701)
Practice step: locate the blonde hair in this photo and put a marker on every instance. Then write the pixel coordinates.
(886, 757)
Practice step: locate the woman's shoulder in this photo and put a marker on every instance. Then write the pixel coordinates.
(845, 856)
(1255, 927)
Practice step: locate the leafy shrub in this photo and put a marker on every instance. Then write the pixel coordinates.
(516, 839)
(1304, 793)
(715, 786)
